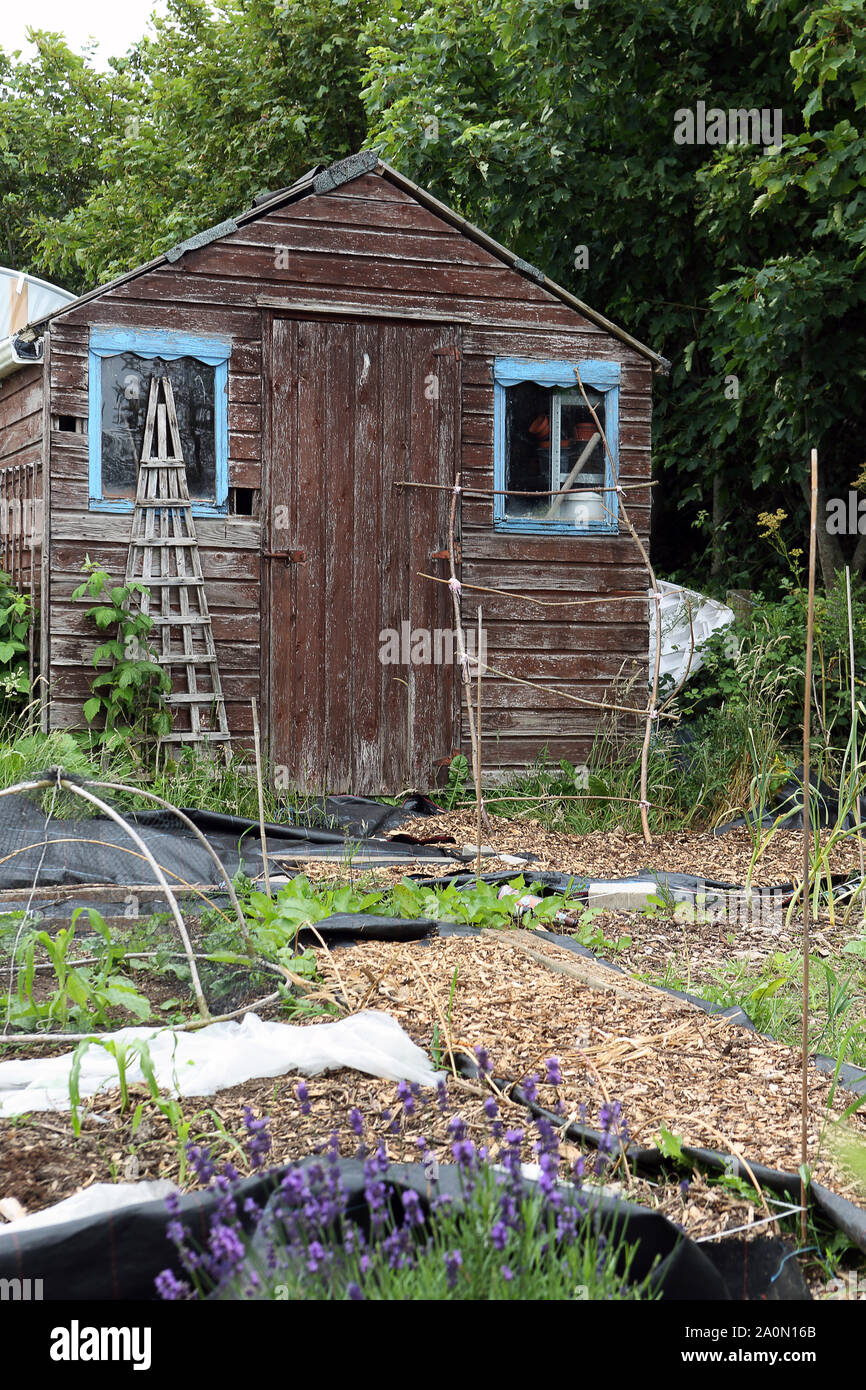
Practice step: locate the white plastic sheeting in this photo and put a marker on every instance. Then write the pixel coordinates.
(222, 1055)
(707, 615)
(97, 1200)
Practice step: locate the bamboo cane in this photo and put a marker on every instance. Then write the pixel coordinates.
(807, 706)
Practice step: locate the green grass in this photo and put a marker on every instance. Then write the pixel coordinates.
(696, 779)
(772, 996)
(191, 780)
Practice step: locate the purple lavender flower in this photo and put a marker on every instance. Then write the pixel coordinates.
(684, 1187)
(567, 1221)
(507, 1273)
(613, 1133)
(457, 1127)
(397, 1249)
(453, 1262)
(548, 1141)
(464, 1152)
(302, 1091)
(484, 1063)
(442, 1097)
(549, 1165)
(201, 1162)
(404, 1094)
(259, 1142)
(412, 1208)
(225, 1244)
(530, 1087)
(170, 1288)
(375, 1190)
(499, 1235)
(491, 1109)
(354, 1292)
(553, 1075)
(356, 1121)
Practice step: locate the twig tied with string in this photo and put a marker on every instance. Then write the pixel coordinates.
(652, 711)
(479, 806)
(462, 655)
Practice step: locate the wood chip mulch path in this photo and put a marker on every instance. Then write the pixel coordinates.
(668, 1063)
(712, 1084)
(619, 853)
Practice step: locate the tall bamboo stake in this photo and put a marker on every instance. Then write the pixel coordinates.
(807, 709)
(854, 718)
(478, 802)
(463, 657)
(260, 790)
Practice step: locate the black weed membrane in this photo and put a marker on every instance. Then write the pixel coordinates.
(118, 1255)
(784, 808)
(53, 836)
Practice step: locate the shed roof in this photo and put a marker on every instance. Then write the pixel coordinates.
(320, 180)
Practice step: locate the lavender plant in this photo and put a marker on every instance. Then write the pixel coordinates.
(494, 1236)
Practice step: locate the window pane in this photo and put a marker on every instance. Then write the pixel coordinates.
(527, 448)
(126, 380)
(547, 431)
(577, 427)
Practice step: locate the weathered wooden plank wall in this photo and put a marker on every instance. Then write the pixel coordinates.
(21, 402)
(369, 245)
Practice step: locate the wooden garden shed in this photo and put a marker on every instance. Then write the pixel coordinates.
(338, 354)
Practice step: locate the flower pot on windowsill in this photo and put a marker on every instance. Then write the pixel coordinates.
(585, 432)
(581, 508)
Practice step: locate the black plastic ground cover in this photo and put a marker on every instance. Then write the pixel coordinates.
(348, 928)
(117, 1256)
(786, 809)
(66, 851)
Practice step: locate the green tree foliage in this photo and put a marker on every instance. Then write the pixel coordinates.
(223, 101)
(552, 125)
(54, 113)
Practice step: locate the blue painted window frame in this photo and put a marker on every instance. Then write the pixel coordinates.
(215, 352)
(601, 376)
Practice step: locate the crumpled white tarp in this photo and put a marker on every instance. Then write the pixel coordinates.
(223, 1055)
(97, 1200)
(708, 615)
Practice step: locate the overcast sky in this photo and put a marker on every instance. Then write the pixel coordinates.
(115, 24)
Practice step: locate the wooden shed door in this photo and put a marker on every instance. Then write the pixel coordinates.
(357, 408)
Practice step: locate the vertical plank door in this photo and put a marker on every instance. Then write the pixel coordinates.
(356, 409)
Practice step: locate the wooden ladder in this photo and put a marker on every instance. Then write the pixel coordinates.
(164, 556)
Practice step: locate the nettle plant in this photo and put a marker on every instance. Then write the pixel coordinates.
(130, 693)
